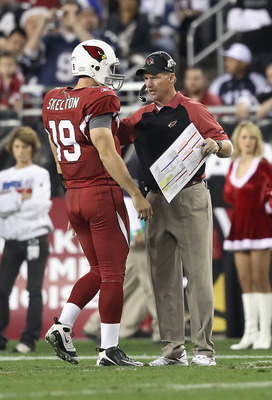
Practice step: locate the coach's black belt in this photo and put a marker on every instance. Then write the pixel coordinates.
(192, 182)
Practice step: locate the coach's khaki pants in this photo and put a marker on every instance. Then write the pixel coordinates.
(180, 235)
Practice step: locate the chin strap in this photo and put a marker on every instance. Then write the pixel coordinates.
(141, 94)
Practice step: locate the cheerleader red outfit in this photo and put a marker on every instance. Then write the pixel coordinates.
(251, 225)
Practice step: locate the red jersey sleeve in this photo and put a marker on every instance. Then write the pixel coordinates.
(105, 104)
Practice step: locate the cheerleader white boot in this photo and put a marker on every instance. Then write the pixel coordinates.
(263, 340)
(251, 322)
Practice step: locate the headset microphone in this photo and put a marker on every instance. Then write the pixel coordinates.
(141, 94)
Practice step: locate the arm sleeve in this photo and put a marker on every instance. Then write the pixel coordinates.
(127, 133)
(40, 200)
(206, 124)
(10, 202)
(228, 190)
(103, 121)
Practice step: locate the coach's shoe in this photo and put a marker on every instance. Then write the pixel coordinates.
(162, 361)
(24, 348)
(115, 356)
(3, 346)
(203, 360)
(59, 336)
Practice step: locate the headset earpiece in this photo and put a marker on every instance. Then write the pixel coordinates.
(141, 94)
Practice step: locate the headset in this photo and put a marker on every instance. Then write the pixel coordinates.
(170, 64)
(141, 94)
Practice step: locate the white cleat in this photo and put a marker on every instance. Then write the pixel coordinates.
(60, 338)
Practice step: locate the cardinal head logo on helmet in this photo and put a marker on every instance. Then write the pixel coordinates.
(95, 52)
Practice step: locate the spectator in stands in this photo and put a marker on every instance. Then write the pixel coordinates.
(97, 5)
(133, 32)
(238, 86)
(10, 14)
(248, 189)
(18, 42)
(10, 83)
(34, 23)
(265, 98)
(14, 43)
(187, 11)
(196, 87)
(164, 24)
(88, 18)
(58, 45)
(252, 20)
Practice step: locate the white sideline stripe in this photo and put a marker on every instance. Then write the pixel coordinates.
(142, 357)
(166, 388)
(237, 385)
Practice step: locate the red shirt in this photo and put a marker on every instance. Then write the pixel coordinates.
(41, 3)
(11, 91)
(66, 115)
(208, 99)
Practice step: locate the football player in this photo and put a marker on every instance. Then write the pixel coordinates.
(82, 124)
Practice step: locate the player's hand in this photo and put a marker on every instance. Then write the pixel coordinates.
(142, 206)
(70, 228)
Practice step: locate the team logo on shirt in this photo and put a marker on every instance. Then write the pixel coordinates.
(95, 52)
(171, 124)
(150, 61)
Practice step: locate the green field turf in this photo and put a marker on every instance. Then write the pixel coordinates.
(238, 375)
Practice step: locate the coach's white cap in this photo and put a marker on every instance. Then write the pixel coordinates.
(239, 52)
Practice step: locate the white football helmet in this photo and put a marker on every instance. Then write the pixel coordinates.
(97, 60)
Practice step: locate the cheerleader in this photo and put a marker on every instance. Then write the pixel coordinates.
(247, 188)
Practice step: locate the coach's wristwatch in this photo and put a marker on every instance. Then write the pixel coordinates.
(220, 145)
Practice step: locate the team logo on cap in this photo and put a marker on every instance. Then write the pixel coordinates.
(150, 61)
(95, 52)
